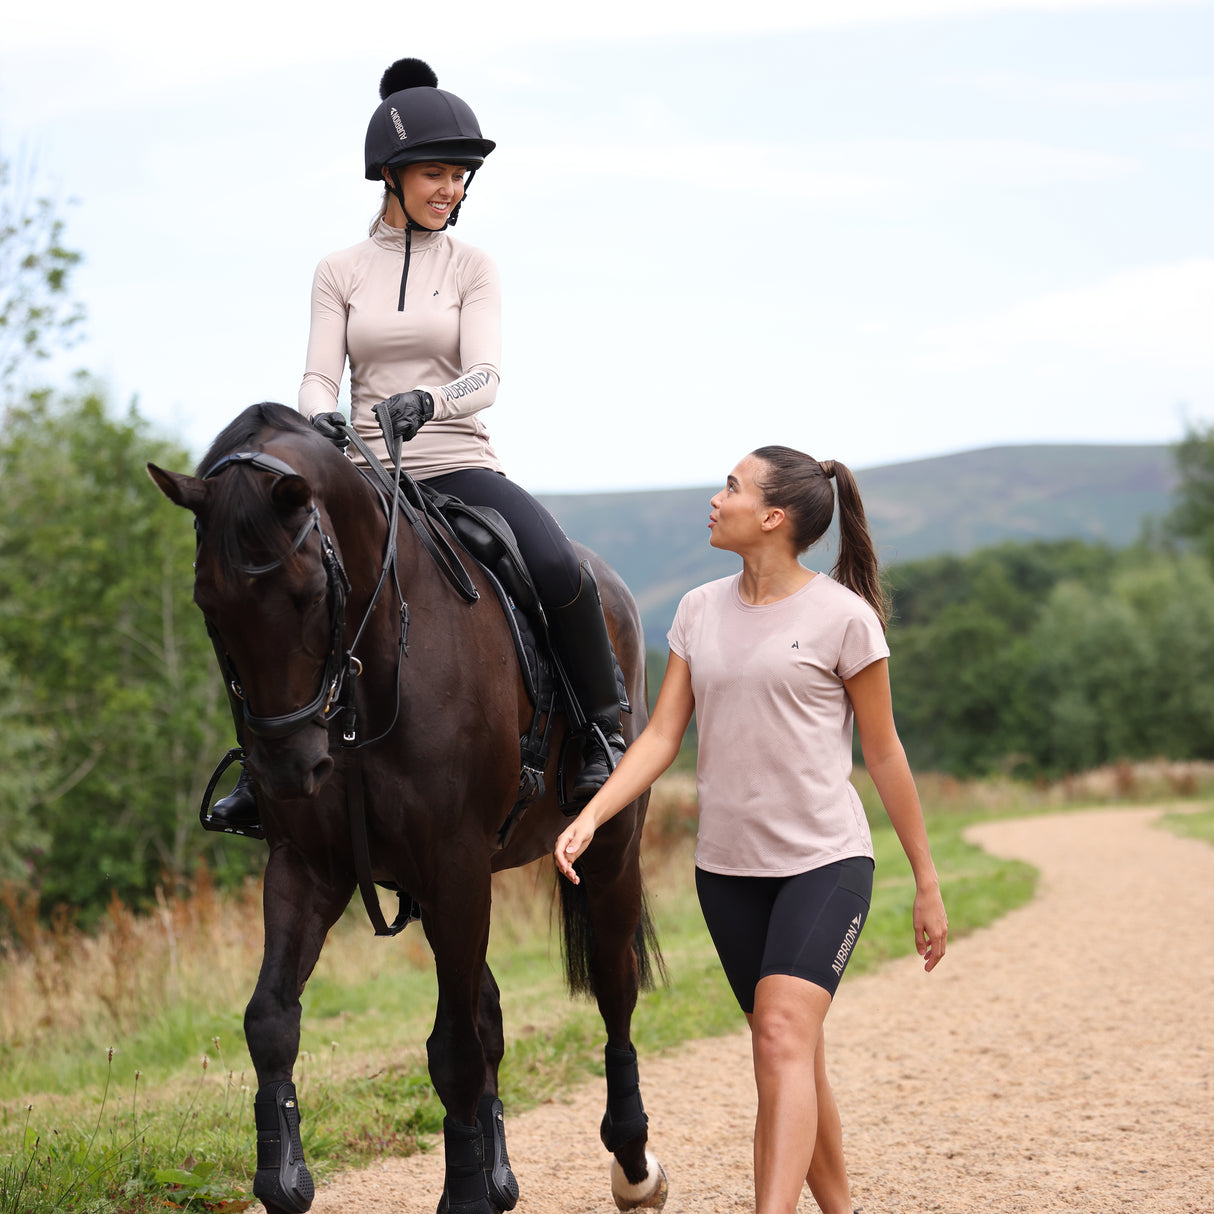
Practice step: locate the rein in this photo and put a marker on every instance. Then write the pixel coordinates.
(431, 534)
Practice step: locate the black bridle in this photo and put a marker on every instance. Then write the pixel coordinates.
(336, 693)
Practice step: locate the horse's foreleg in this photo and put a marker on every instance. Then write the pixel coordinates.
(458, 932)
(503, 1187)
(298, 912)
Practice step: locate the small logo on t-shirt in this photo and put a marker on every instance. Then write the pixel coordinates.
(796, 645)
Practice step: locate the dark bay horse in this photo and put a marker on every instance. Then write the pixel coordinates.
(294, 540)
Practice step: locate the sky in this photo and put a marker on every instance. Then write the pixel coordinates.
(875, 230)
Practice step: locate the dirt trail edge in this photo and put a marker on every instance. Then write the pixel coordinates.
(1062, 1059)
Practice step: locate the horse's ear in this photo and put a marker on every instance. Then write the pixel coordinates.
(186, 491)
(290, 493)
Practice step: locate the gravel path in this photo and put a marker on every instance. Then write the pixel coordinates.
(1062, 1059)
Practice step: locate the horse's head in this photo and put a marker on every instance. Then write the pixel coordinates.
(270, 583)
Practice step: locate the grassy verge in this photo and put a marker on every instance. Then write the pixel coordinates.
(1195, 825)
(124, 1080)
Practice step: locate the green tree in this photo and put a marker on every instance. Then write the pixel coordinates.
(37, 311)
(959, 690)
(96, 617)
(960, 654)
(1193, 516)
(25, 775)
(1126, 671)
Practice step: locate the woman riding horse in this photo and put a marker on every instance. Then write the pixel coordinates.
(416, 314)
(384, 709)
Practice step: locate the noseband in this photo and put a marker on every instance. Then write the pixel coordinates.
(340, 665)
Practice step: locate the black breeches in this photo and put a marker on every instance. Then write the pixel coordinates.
(549, 555)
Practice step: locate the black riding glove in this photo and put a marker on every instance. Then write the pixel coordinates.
(403, 415)
(333, 427)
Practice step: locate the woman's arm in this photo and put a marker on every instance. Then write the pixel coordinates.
(480, 344)
(650, 755)
(326, 360)
(886, 763)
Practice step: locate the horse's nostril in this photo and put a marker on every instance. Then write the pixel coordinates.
(320, 773)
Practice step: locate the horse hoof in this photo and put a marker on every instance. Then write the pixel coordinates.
(650, 1194)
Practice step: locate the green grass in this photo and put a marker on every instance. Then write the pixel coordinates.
(123, 1133)
(1196, 825)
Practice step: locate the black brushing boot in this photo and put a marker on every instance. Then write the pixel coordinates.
(465, 1189)
(625, 1118)
(503, 1187)
(282, 1176)
(579, 632)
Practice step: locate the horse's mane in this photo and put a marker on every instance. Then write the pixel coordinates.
(238, 434)
(242, 523)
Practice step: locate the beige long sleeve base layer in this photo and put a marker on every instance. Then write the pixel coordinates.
(446, 339)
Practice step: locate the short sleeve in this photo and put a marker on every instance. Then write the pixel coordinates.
(676, 638)
(863, 642)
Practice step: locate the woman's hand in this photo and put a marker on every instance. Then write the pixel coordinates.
(403, 415)
(333, 426)
(931, 926)
(574, 840)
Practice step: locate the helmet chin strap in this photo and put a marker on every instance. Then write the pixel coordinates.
(411, 224)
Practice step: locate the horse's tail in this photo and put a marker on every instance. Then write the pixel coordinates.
(578, 942)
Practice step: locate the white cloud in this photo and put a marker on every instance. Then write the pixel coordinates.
(1096, 93)
(307, 30)
(825, 172)
(1155, 314)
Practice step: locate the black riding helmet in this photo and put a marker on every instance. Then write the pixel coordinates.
(417, 121)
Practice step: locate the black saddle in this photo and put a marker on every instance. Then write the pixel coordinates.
(489, 540)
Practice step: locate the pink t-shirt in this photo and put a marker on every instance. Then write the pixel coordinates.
(775, 724)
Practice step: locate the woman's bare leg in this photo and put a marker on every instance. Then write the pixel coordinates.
(786, 1028)
(827, 1175)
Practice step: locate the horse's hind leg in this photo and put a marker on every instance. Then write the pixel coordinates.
(619, 931)
(298, 912)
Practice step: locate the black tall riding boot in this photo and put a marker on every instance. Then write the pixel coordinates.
(579, 633)
(237, 812)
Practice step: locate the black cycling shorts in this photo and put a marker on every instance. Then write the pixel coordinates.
(806, 925)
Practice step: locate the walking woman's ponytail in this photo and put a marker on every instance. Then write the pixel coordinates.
(800, 486)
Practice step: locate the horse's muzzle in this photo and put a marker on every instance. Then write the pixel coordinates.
(292, 768)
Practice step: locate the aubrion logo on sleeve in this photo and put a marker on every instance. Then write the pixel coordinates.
(396, 122)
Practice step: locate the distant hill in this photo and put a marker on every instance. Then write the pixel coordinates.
(658, 540)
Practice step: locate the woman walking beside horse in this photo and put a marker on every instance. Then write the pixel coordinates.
(777, 662)
(417, 314)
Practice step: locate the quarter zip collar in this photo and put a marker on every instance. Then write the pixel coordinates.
(406, 242)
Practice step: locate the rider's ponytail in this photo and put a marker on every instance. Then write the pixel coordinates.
(800, 486)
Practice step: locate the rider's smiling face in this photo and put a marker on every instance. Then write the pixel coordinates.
(432, 190)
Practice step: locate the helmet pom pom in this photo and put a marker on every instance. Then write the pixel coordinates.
(406, 74)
